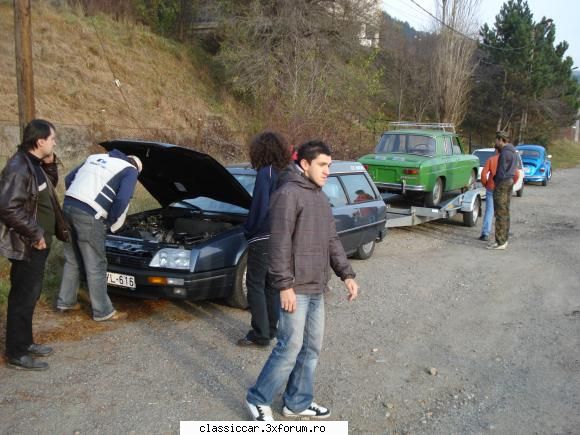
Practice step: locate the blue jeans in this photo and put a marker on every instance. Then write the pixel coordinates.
(488, 216)
(85, 255)
(293, 360)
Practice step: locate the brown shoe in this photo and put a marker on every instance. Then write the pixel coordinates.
(115, 315)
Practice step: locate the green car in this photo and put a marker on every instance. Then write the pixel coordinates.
(429, 162)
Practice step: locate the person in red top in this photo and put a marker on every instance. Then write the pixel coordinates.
(487, 174)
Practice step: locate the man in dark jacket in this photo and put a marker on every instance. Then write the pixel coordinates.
(97, 198)
(29, 217)
(304, 246)
(504, 180)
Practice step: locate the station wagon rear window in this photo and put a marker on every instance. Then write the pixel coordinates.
(406, 143)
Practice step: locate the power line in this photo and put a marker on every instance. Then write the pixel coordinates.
(406, 12)
(463, 34)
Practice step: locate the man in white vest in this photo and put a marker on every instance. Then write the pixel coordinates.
(97, 198)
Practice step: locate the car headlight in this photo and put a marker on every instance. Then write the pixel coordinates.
(171, 258)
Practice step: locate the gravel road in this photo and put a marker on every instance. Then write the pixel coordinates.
(446, 338)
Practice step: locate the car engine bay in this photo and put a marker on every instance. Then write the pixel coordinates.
(182, 228)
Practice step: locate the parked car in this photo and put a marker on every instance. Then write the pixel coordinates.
(483, 154)
(537, 164)
(358, 209)
(193, 246)
(426, 161)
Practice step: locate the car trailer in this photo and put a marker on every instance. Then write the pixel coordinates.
(467, 203)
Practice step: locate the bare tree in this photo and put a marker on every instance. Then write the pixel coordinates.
(453, 58)
(299, 60)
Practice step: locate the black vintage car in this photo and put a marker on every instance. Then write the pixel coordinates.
(193, 247)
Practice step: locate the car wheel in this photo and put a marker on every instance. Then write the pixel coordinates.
(433, 198)
(365, 251)
(239, 295)
(545, 181)
(520, 192)
(470, 218)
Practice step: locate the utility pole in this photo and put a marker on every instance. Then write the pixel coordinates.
(577, 127)
(24, 74)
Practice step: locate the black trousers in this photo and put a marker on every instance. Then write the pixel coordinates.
(25, 287)
(264, 302)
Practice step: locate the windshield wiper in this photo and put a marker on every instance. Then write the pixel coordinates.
(190, 205)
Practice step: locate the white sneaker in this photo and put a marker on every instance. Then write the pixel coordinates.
(313, 411)
(497, 247)
(260, 412)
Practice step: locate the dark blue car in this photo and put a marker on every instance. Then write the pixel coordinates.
(537, 164)
(358, 209)
(193, 246)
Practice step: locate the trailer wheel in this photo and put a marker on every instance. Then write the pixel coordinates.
(470, 218)
(239, 296)
(433, 198)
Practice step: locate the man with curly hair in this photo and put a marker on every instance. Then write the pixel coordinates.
(269, 155)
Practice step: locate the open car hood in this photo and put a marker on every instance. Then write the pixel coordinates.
(173, 173)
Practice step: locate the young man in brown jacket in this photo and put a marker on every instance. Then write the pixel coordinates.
(304, 245)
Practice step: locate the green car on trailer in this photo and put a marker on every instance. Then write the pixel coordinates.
(419, 158)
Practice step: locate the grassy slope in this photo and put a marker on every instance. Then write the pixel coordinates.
(164, 84)
(74, 83)
(565, 153)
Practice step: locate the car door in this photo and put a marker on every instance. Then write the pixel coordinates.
(462, 167)
(450, 163)
(364, 202)
(344, 214)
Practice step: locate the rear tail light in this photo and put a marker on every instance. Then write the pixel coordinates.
(366, 167)
(542, 169)
(411, 171)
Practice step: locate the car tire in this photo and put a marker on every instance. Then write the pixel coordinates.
(433, 198)
(520, 193)
(365, 250)
(471, 218)
(545, 181)
(239, 295)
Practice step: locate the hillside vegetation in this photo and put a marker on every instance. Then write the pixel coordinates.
(164, 92)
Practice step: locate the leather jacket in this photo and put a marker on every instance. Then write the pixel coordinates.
(18, 206)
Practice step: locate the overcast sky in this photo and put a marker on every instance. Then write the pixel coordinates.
(565, 13)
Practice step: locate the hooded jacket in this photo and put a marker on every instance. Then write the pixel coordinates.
(507, 165)
(304, 245)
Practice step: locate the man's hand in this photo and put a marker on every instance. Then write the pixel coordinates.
(40, 244)
(288, 300)
(352, 288)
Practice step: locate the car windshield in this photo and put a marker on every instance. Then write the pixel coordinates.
(530, 153)
(483, 156)
(406, 143)
(211, 205)
(247, 181)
